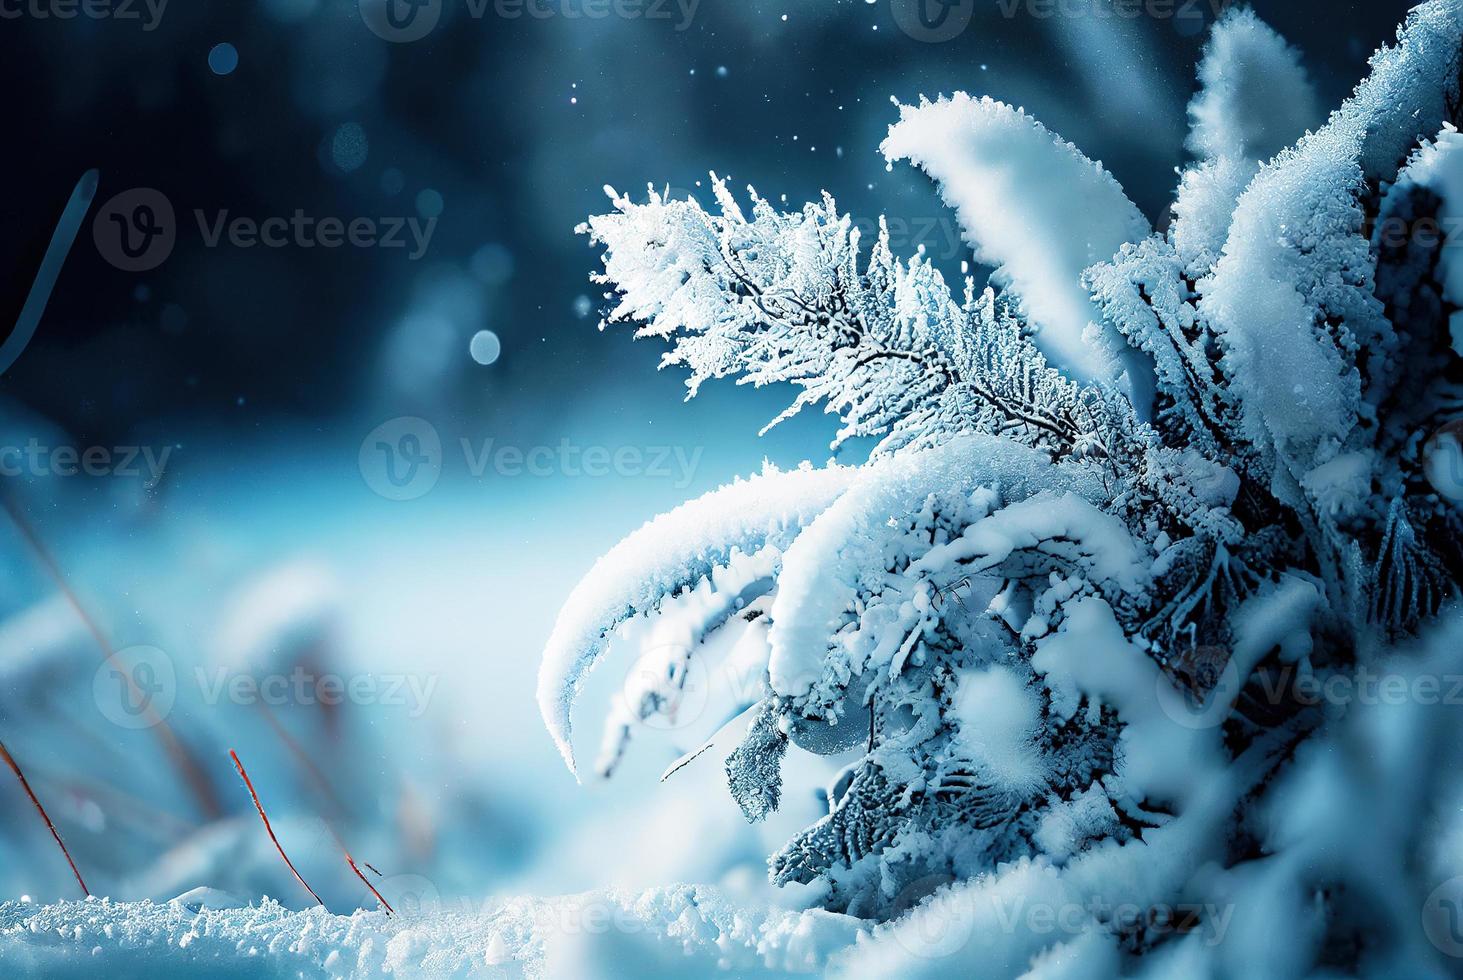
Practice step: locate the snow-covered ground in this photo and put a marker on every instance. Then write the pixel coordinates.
(682, 931)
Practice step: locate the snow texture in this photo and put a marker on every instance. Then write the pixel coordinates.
(1438, 167)
(671, 553)
(1030, 204)
(1254, 97)
(682, 931)
(826, 567)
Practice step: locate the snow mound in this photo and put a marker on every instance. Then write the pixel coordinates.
(680, 931)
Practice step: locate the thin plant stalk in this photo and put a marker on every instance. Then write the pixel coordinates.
(269, 829)
(15, 768)
(318, 778)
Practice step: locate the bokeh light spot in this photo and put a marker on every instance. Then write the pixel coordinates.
(485, 347)
(429, 203)
(349, 147)
(223, 59)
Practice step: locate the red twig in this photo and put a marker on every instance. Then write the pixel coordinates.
(15, 768)
(318, 778)
(352, 862)
(262, 816)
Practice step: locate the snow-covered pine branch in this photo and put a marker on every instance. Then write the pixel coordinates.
(789, 298)
(1279, 356)
(1254, 97)
(1043, 622)
(747, 519)
(1033, 207)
